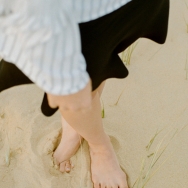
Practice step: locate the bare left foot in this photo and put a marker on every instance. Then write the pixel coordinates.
(105, 168)
(70, 143)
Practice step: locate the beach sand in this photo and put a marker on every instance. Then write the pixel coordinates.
(154, 98)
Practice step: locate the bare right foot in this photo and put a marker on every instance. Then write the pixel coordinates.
(70, 143)
(105, 169)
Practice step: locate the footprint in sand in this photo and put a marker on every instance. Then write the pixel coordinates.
(2, 117)
(49, 142)
(1, 141)
(115, 143)
(45, 135)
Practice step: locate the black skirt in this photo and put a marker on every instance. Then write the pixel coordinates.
(102, 39)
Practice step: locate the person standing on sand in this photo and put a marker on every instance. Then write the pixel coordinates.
(69, 48)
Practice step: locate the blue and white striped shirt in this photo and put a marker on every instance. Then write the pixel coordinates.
(41, 37)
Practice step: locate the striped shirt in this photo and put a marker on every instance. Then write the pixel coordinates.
(41, 37)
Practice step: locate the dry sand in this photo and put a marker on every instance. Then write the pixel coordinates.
(155, 97)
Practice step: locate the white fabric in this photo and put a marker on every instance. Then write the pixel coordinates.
(41, 37)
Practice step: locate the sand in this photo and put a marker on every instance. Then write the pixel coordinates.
(154, 98)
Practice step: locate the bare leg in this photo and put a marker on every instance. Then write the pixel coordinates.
(106, 172)
(70, 141)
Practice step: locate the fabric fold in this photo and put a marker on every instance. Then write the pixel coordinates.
(42, 39)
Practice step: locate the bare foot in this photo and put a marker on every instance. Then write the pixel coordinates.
(70, 142)
(105, 169)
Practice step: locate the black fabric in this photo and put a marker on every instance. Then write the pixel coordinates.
(102, 39)
(45, 108)
(10, 76)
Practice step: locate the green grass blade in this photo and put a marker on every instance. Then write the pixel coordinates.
(154, 173)
(102, 112)
(119, 97)
(152, 140)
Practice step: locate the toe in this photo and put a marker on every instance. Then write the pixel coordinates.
(115, 186)
(102, 185)
(72, 166)
(62, 166)
(96, 185)
(67, 166)
(123, 186)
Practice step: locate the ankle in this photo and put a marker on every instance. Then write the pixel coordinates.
(100, 146)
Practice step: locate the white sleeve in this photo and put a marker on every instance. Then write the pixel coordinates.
(42, 38)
